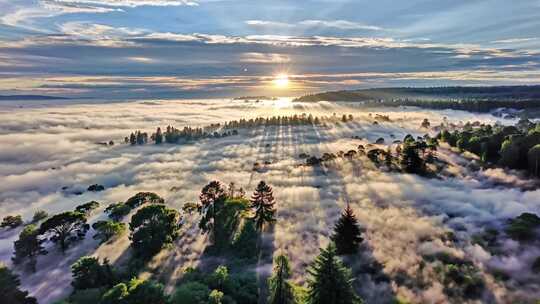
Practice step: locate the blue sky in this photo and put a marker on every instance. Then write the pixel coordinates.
(206, 48)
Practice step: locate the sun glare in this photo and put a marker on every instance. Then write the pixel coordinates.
(281, 81)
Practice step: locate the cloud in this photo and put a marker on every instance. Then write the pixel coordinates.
(51, 147)
(307, 24)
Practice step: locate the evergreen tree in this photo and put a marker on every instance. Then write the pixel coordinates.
(159, 136)
(88, 273)
(28, 247)
(152, 227)
(281, 290)
(212, 198)
(263, 202)
(330, 281)
(347, 233)
(9, 288)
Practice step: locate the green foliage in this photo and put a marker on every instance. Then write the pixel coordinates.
(238, 287)
(215, 297)
(144, 198)
(523, 227)
(152, 227)
(115, 295)
(86, 296)
(136, 292)
(9, 288)
(105, 230)
(462, 280)
(87, 207)
(262, 201)
(191, 293)
(11, 221)
(245, 243)
(330, 281)
(117, 211)
(347, 234)
(509, 146)
(533, 157)
(28, 247)
(212, 199)
(88, 273)
(281, 290)
(410, 160)
(39, 215)
(65, 228)
(144, 292)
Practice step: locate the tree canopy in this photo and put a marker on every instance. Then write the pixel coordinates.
(152, 227)
(65, 228)
(330, 281)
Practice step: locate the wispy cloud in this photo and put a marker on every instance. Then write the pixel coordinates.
(337, 24)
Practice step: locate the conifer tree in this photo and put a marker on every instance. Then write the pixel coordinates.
(330, 281)
(28, 247)
(347, 233)
(281, 290)
(263, 202)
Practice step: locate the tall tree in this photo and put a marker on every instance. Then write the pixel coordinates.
(9, 288)
(212, 198)
(330, 281)
(64, 228)
(28, 247)
(347, 234)
(281, 290)
(152, 227)
(159, 136)
(88, 273)
(263, 202)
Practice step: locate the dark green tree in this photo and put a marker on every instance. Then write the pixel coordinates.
(64, 228)
(9, 288)
(87, 207)
(117, 211)
(144, 198)
(88, 273)
(262, 201)
(145, 292)
(330, 281)
(212, 199)
(159, 136)
(39, 215)
(347, 233)
(11, 221)
(28, 247)
(107, 229)
(281, 290)
(191, 293)
(152, 227)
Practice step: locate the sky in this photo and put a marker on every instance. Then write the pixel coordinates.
(217, 48)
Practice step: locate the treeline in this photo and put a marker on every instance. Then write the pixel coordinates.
(514, 147)
(410, 155)
(173, 135)
(475, 99)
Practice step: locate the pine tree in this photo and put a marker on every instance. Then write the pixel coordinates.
(158, 136)
(263, 202)
(281, 291)
(330, 281)
(347, 233)
(28, 247)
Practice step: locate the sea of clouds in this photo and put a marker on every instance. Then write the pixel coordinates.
(50, 152)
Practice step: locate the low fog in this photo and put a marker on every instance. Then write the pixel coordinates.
(49, 153)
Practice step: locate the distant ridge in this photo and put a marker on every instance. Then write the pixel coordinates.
(29, 97)
(508, 93)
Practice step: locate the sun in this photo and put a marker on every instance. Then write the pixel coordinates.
(281, 81)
